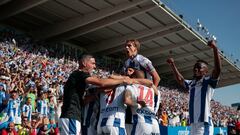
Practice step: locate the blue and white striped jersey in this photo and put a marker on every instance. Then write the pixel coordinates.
(201, 93)
(91, 110)
(141, 63)
(14, 111)
(146, 94)
(27, 111)
(42, 107)
(112, 109)
(2, 97)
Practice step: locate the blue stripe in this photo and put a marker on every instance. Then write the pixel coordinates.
(121, 131)
(89, 113)
(29, 114)
(117, 122)
(210, 121)
(72, 126)
(155, 100)
(135, 121)
(148, 119)
(104, 122)
(19, 110)
(203, 99)
(206, 129)
(191, 104)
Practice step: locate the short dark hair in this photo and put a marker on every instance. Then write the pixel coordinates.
(13, 91)
(84, 58)
(202, 61)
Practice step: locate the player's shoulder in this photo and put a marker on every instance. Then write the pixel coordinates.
(207, 77)
(142, 59)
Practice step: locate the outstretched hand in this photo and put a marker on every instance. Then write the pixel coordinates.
(142, 103)
(170, 60)
(212, 44)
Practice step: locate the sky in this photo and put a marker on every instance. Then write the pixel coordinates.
(222, 19)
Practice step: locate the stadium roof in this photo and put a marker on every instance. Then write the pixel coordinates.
(102, 26)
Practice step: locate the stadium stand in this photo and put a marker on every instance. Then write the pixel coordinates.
(33, 73)
(33, 66)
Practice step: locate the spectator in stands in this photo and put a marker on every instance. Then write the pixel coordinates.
(164, 118)
(44, 129)
(10, 130)
(13, 108)
(32, 93)
(34, 127)
(42, 105)
(201, 92)
(51, 108)
(237, 126)
(2, 97)
(27, 109)
(25, 127)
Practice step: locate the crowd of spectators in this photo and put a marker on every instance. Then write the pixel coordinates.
(32, 78)
(31, 87)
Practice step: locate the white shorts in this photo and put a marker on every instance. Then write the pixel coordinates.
(151, 127)
(114, 129)
(201, 128)
(110, 130)
(69, 126)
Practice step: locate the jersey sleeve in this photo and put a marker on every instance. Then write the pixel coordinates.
(146, 64)
(186, 84)
(213, 82)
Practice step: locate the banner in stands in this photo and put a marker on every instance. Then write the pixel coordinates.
(186, 130)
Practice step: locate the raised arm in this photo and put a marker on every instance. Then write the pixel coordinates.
(217, 61)
(156, 77)
(178, 75)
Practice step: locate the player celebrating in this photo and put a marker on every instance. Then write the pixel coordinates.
(144, 117)
(201, 92)
(137, 61)
(140, 62)
(112, 112)
(70, 119)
